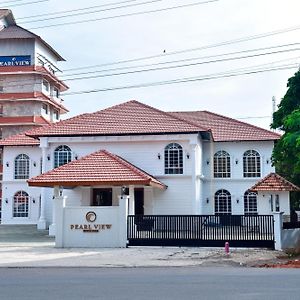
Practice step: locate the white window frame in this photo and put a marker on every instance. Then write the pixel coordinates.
(55, 114)
(22, 162)
(56, 92)
(251, 164)
(45, 86)
(21, 198)
(250, 203)
(222, 168)
(45, 109)
(173, 159)
(223, 202)
(62, 155)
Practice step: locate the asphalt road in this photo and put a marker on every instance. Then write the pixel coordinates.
(149, 283)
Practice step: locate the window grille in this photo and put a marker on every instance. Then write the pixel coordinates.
(21, 205)
(173, 159)
(250, 203)
(62, 155)
(222, 202)
(22, 166)
(251, 164)
(221, 164)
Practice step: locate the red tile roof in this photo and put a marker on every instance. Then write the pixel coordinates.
(127, 118)
(226, 129)
(274, 182)
(98, 168)
(19, 140)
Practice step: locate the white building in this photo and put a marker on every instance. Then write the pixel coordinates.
(29, 87)
(172, 163)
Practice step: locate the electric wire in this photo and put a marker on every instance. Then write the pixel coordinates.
(27, 3)
(126, 15)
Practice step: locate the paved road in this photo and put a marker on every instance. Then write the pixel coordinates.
(149, 283)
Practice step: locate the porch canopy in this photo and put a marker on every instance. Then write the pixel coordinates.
(98, 168)
(274, 182)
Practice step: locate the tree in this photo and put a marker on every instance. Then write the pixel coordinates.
(286, 153)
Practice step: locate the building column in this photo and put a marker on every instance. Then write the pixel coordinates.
(123, 213)
(42, 224)
(278, 224)
(131, 200)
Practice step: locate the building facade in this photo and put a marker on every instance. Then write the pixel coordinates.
(198, 163)
(29, 86)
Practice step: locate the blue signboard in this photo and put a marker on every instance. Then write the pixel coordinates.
(8, 61)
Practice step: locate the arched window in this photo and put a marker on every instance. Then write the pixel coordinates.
(221, 164)
(22, 166)
(62, 155)
(250, 203)
(222, 202)
(173, 159)
(21, 202)
(251, 163)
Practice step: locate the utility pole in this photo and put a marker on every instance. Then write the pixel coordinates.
(273, 108)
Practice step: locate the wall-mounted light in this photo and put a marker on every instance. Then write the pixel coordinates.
(7, 164)
(237, 200)
(48, 157)
(188, 156)
(33, 200)
(236, 161)
(207, 161)
(6, 200)
(158, 155)
(76, 156)
(267, 161)
(207, 200)
(34, 164)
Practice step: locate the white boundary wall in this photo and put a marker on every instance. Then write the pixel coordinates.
(72, 229)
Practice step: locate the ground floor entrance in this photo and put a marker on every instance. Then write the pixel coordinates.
(201, 231)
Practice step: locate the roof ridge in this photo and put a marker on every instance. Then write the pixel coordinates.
(170, 115)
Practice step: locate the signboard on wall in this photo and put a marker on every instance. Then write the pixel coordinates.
(8, 61)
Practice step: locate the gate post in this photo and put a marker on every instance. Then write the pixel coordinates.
(123, 214)
(278, 223)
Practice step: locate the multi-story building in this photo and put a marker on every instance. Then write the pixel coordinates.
(29, 87)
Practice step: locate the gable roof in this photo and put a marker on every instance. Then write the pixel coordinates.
(18, 32)
(128, 118)
(226, 129)
(98, 168)
(274, 182)
(19, 140)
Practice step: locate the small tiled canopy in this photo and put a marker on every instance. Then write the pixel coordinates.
(274, 182)
(98, 168)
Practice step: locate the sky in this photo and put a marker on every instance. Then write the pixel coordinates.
(186, 35)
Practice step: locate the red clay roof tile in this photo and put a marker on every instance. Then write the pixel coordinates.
(274, 182)
(98, 168)
(227, 129)
(19, 140)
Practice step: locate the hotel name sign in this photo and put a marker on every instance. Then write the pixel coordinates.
(9, 61)
(91, 217)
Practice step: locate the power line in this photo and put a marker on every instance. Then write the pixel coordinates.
(27, 3)
(181, 66)
(181, 80)
(74, 10)
(181, 60)
(94, 11)
(1, 3)
(209, 46)
(127, 15)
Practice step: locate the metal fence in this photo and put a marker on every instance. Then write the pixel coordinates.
(201, 230)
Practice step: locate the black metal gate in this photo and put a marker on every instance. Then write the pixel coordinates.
(201, 231)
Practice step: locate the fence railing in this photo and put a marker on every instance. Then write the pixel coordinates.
(201, 227)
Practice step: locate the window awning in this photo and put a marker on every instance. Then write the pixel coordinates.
(98, 168)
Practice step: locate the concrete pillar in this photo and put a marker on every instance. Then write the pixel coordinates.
(59, 207)
(278, 223)
(131, 200)
(123, 213)
(56, 193)
(42, 224)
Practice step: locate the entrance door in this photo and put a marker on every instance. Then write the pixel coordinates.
(139, 201)
(102, 197)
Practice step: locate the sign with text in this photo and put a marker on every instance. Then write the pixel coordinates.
(8, 61)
